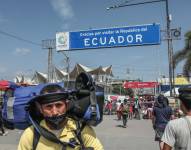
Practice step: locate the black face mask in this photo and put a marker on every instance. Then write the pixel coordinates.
(55, 121)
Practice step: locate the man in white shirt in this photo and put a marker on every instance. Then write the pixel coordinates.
(177, 133)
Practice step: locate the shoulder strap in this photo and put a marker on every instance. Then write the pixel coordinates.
(79, 128)
(36, 138)
(78, 131)
(50, 136)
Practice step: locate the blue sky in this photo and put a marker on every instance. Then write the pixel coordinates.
(37, 20)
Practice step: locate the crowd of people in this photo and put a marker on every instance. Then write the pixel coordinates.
(131, 108)
(138, 107)
(172, 126)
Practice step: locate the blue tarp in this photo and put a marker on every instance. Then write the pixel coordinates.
(165, 88)
(14, 107)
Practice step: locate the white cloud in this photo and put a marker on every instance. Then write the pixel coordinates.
(63, 8)
(22, 51)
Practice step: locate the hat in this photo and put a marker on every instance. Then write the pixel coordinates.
(185, 93)
(51, 93)
(51, 97)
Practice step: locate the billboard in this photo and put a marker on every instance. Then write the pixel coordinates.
(127, 85)
(111, 37)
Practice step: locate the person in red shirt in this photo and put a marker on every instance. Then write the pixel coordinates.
(130, 111)
(109, 107)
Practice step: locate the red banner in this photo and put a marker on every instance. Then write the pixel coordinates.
(127, 85)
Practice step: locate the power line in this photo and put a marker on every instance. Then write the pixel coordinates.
(140, 3)
(19, 38)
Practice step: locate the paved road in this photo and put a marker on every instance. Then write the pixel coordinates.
(137, 136)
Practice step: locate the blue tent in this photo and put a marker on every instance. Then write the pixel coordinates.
(14, 106)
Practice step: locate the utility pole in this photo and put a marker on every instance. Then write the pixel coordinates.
(50, 44)
(168, 30)
(170, 48)
(67, 65)
(128, 73)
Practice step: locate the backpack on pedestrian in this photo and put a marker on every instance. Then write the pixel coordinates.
(86, 102)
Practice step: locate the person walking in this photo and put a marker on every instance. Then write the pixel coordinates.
(177, 134)
(162, 113)
(118, 112)
(110, 108)
(3, 132)
(59, 131)
(130, 115)
(124, 110)
(137, 108)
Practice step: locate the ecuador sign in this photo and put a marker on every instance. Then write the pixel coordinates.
(110, 37)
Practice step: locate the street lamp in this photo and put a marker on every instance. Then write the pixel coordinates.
(168, 31)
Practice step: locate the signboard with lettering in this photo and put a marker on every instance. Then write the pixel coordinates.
(140, 84)
(110, 37)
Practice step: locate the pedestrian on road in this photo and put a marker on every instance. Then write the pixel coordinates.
(130, 115)
(162, 113)
(118, 112)
(137, 108)
(124, 110)
(52, 105)
(3, 132)
(150, 110)
(109, 107)
(177, 134)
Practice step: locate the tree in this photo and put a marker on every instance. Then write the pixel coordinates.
(130, 92)
(184, 54)
(118, 89)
